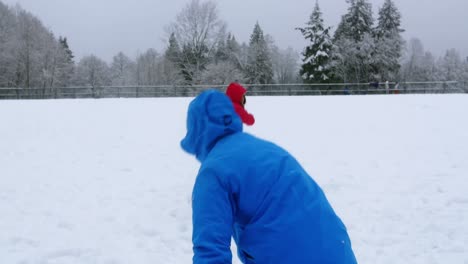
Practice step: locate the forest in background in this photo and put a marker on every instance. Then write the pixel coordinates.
(202, 51)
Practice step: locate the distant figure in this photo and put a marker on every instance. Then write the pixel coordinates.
(346, 91)
(255, 192)
(236, 93)
(396, 90)
(374, 84)
(387, 87)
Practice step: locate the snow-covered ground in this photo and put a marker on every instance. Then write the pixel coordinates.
(105, 181)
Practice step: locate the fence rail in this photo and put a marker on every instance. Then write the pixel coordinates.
(257, 89)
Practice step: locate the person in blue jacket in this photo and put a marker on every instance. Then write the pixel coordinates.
(256, 192)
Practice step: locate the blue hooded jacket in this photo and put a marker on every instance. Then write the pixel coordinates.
(256, 192)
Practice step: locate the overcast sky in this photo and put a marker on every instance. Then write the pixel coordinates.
(105, 27)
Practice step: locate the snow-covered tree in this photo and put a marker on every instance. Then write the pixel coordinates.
(428, 67)
(92, 71)
(29, 50)
(56, 68)
(8, 41)
(389, 20)
(386, 59)
(316, 56)
(233, 50)
(259, 68)
(237, 54)
(193, 63)
(354, 44)
(351, 60)
(450, 66)
(342, 30)
(172, 52)
(64, 64)
(66, 48)
(225, 66)
(221, 53)
(148, 68)
(223, 72)
(342, 59)
(197, 28)
(171, 64)
(389, 42)
(122, 70)
(418, 64)
(40, 63)
(170, 73)
(285, 65)
(465, 75)
(30, 55)
(357, 22)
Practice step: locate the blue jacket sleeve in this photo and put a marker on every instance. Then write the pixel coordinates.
(212, 220)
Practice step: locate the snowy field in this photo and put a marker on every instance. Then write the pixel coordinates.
(105, 181)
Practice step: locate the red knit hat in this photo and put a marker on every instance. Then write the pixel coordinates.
(237, 92)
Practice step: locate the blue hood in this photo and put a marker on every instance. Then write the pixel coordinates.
(211, 116)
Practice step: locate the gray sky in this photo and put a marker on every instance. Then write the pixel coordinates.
(105, 27)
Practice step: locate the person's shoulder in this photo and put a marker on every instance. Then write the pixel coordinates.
(262, 143)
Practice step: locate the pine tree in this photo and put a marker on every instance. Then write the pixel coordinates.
(354, 44)
(64, 64)
(173, 50)
(389, 42)
(193, 63)
(172, 66)
(361, 19)
(315, 67)
(389, 21)
(64, 44)
(357, 22)
(259, 68)
(341, 30)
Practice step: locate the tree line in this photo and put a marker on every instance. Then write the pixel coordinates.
(364, 50)
(201, 50)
